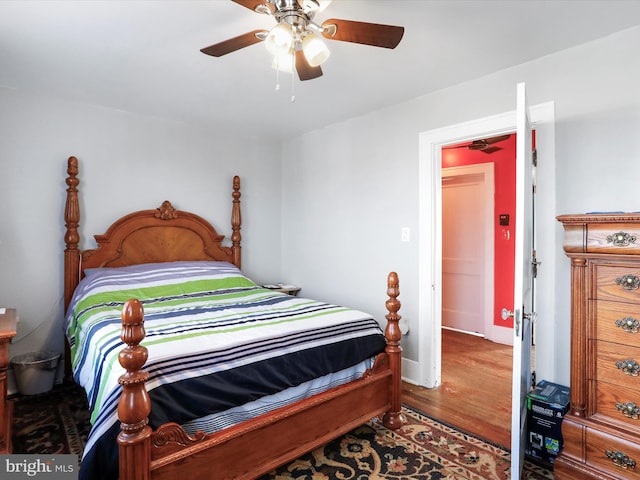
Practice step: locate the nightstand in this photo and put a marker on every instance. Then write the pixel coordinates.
(8, 321)
(280, 287)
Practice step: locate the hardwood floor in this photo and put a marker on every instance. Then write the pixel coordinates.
(475, 394)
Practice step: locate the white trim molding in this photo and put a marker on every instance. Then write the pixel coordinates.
(429, 369)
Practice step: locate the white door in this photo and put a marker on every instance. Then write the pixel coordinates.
(467, 266)
(522, 310)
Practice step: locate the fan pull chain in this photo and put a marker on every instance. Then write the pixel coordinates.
(293, 80)
(277, 74)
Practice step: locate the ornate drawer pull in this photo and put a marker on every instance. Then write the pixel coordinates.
(621, 460)
(630, 367)
(628, 324)
(628, 282)
(621, 239)
(629, 410)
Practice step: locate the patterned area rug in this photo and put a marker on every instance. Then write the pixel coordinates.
(58, 422)
(422, 449)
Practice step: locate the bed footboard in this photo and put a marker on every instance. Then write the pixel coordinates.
(283, 435)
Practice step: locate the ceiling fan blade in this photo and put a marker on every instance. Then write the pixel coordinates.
(499, 138)
(260, 6)
(235, 43)
(374, 34)
(490, 149)
(306, 71)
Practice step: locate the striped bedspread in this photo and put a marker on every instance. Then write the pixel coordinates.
(216, 341)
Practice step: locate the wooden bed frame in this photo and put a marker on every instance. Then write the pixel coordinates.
(251, 448)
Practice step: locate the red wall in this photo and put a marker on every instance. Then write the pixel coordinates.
(505, 201)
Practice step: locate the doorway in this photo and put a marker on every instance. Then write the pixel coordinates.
(427, 370)
(477, 216)
(487, 222)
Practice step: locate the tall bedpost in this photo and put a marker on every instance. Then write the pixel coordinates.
(134, 406)
(236, 221)
(71, 252)
(394, 418)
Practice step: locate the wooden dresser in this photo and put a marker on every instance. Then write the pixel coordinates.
(602, 428)
(8, 321)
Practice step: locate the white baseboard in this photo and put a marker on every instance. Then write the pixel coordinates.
(410, 371)
(502, 335)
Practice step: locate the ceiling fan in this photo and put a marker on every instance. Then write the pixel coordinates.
(295, 40)
(485, 145)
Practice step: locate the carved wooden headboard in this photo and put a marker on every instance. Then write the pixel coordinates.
(146, 236)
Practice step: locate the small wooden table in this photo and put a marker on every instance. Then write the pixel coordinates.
(8, 322)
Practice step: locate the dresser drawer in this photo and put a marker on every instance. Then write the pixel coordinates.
(618, 364)
(617, 322)
(613, 455)
(573, 436)
(618, 283)
(620, 404)
(613, 238)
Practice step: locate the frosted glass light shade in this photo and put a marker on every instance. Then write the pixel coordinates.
(280, 39)
(283, 62)
(314, 50)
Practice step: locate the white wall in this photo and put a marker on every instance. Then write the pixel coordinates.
(126, 162)
(328, 217)
(348, 189)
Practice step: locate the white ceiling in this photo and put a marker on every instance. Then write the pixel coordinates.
(144, 56)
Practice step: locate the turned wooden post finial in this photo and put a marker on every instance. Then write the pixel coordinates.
(236, 221)
(394, 418)
(71, 251)
(134, 405)
(72, 209)
(393, 306)
(71, 236)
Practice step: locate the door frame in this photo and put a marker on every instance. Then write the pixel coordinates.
(429, 365)
(484, 170)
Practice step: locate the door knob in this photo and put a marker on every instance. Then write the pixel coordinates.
(506, 314)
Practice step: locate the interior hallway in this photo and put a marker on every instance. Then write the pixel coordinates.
(475, 394)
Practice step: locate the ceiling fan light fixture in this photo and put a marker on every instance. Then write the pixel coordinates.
(315, 50)
(280, 39)
(295, 29)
